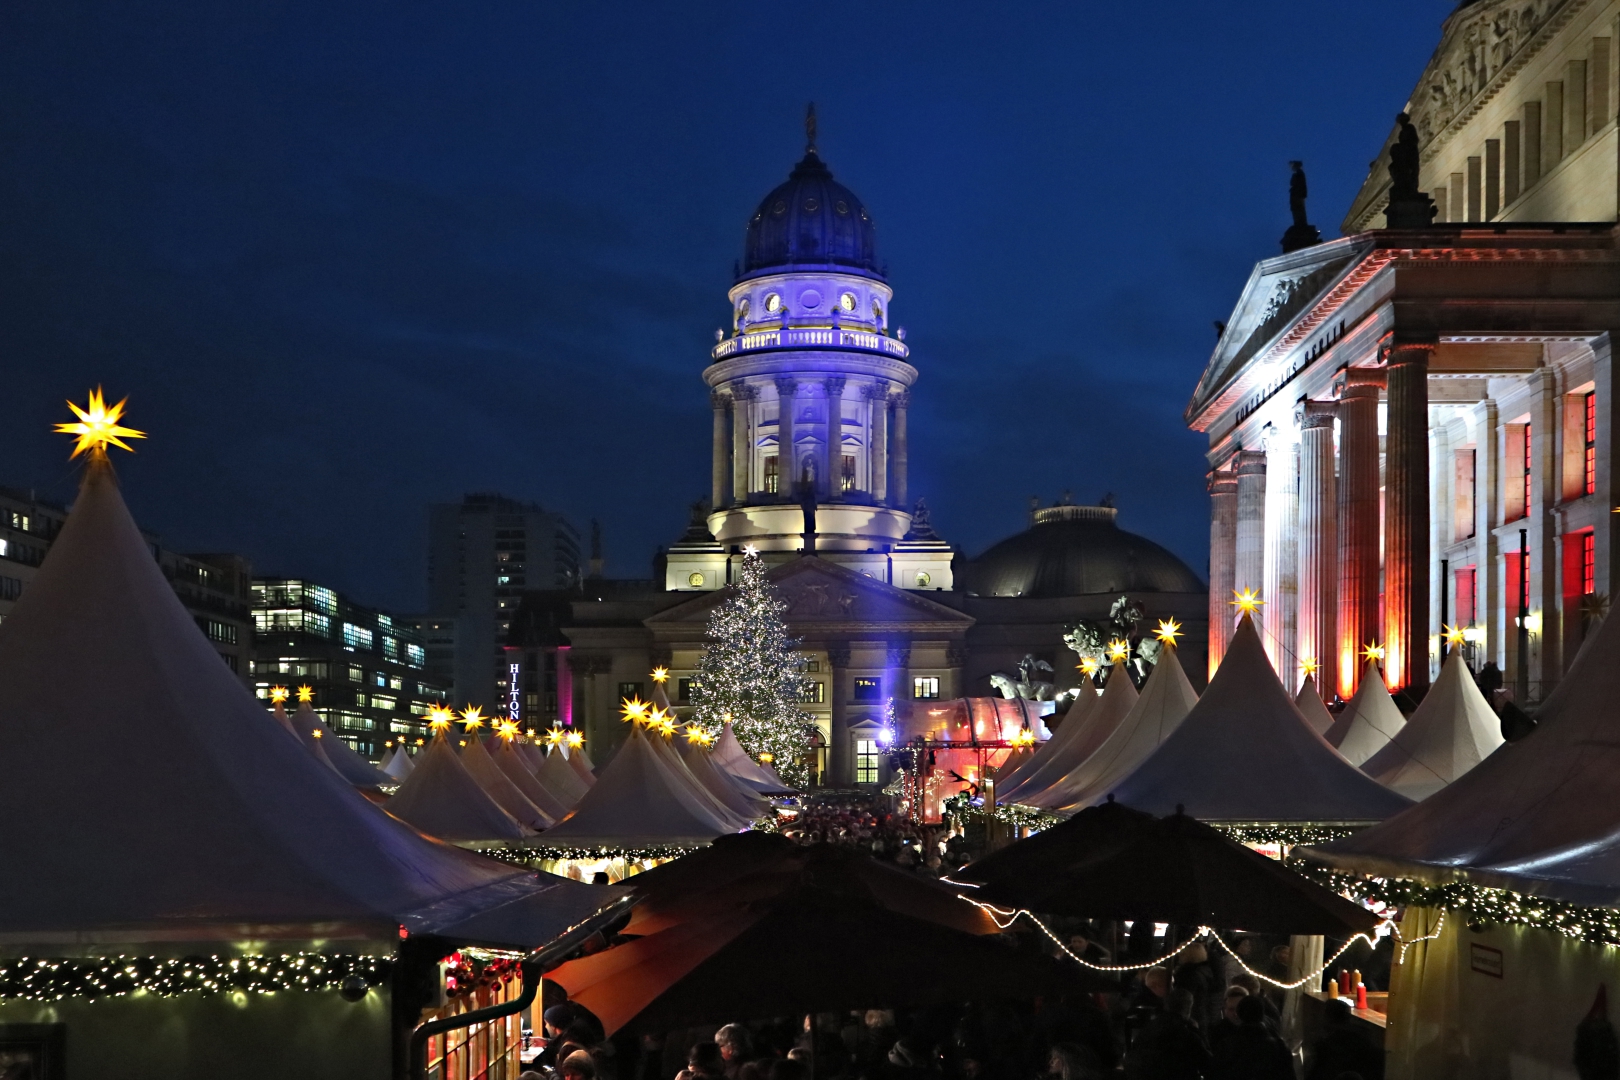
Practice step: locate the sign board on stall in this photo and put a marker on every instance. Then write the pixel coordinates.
(1485, 960)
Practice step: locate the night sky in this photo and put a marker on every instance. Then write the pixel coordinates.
(347, 259)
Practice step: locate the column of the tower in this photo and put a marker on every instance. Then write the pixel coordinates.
(1358, 519)
(1222, 562)
(902, 400)
(717, 470)
(1281, 589)
(1318, 543)
(877, 438)
(1250, 549)
(787, 467)
(1406, 517)
(742, 444)
(835, 436)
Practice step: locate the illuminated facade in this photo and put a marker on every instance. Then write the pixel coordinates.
(1395, 416)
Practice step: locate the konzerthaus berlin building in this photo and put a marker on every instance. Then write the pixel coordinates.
(1412, 427)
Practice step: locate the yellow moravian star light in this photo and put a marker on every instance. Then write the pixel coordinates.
(440, 719)
(1454, 635)
(1309, 666)
(1248, 601)
(306, 694)
(472, 718)
(1119, 651)
(660, 674)
(98, 426)
(575, 740)
(695, 734)
(1089, 665)
(1168, 631)
(278, 694)
(507, 730)
(556, 736)
(1373, 651)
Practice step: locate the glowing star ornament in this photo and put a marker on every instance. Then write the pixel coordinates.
(1309, 666)
(1089, 665)
(278, 695)
(575, 740)
(507, 730)
(1248, 601)
(1119, 651)
(635, 710)
(440, 719)
(1023, 737)
(98, 427)
(472, 718)
(698, 736)
(556, 736)
(306, 694)
(1372, 651)
(1455, 635)
(1168, 631)
(660, 675)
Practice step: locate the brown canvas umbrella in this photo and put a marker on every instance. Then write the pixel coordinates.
(1111, 862)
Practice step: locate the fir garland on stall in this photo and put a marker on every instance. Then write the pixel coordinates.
(752, 674)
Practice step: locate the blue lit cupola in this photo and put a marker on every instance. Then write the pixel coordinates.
(811, 222)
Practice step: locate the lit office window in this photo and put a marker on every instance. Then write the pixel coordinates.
(925, 688)
(866, 761)
(868, 691)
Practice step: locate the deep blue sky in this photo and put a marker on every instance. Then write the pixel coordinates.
(350, 258)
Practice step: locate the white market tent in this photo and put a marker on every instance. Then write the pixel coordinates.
(730, 756)
(664, 747)
(442, 798)
(742, 801)
(186, 816)
(475, 758)
(637, 804)
(511, 762)
(1244, 753)
(1452, 730)
(1369, 721)
(580, 762)
(1309, 703)
(1167, 697)
(556, 777)
(532, 755)
(1044, 785)
(400, 765)
(343, 757)
(1053, 751)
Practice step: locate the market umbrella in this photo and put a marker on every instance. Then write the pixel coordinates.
(811, 948)
(1111, 862)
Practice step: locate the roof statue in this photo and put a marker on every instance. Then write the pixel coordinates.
(810, 128)
(1309, 703)
(1452, 730)
(1408, 208)
(1538, 815)
(399, 765)
(187, 816)
(1053, 750)
(1301, 234)
(1369, 721)
(1167, 697)
(638, 803)
(1245, 726)
(1045, 786)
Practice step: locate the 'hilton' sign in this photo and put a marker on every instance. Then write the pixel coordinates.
(514, 693)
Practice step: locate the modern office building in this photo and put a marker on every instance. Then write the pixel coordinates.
(214, 588)
(484, 553)
(368, 673)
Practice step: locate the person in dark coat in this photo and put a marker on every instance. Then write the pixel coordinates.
(1253, 1052)
(1342, 1049)
(1171, 1047)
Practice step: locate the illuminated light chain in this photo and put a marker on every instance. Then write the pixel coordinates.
(53, 979)
(1438, 926)
(534, 855)
(997, 915)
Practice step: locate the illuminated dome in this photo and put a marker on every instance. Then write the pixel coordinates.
(811, 222)
(1075, 551)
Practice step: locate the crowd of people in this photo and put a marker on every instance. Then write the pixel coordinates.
(866, 823)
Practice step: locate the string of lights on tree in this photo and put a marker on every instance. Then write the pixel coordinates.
(752, 674)
(55, 979)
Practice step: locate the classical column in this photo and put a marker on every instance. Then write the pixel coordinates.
(877, 438)
(742, 442)
(1318, 544)
(1222, 562)
(787, 474)
(835, 436)
(901, 401)
(840, 751)
(1406, 517)
(1358, 519)
(1250, 547)
(717, 479)
(1281, 589)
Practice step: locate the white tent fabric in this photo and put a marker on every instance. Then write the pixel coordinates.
(580, 762)
(442, 798)
(670, 758)
(730, 756)
(349, 764)
(185, 816)
(517, 770)
(400, 765)
(1452, 730)
(637, 803)
(1368, 722)
(1167, 697)
(1053, 749)
(1309, 703)
(477, 761)
(1043, 786)
(1539, 815)
(532, 755)
(1245, 753)
(660, 697)
(281, 718)
(741, 801)
(563, 783)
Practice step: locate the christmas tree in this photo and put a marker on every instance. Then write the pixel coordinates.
(752, 674)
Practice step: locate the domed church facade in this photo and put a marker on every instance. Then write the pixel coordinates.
(810, 394)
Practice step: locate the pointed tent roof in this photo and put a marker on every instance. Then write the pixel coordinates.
(636, 803)
(1053, 749)
(186, 809)
(400, 765)
(745, 803)
(1369, 721)
(1101, 721)
(1245, 753)
(1309, 703)
(556, 777)
(349, 764)
(1167, 697)
(280, 715)
(477, 761)
(441, 798)
(512, 764)
(532, 755)
(670, 758)
(580, 762)
(730, 756)
(1453, 730)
